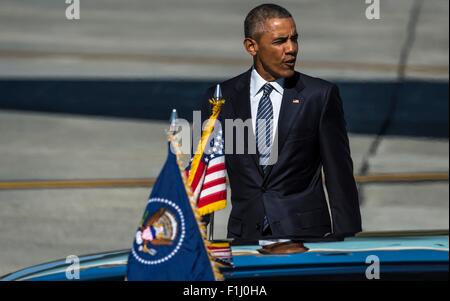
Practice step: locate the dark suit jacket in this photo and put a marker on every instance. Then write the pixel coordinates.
(311, 135)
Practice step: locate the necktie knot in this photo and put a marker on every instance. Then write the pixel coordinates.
(267, 88)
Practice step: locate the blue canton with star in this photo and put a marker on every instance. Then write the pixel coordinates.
(215, 148)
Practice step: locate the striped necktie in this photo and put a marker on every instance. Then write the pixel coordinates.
(264, 126)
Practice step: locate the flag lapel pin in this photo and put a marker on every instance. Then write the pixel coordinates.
(297, 101)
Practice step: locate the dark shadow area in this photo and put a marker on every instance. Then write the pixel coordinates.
(422, 107)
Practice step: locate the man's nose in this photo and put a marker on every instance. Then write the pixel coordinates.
(291, 48)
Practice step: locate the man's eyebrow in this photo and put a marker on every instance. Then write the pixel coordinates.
(281, 38)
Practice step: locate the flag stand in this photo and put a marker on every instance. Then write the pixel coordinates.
(211, 228)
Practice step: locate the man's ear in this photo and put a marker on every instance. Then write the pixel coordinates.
(251, 46)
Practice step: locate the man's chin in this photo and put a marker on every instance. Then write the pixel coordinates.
(288, 73)
(282, 73)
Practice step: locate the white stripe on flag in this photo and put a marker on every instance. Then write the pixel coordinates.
(214, 176)
(212, 190)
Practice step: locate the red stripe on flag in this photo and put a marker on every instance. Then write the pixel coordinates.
(214, 197)
(198, 175)
(214, 168)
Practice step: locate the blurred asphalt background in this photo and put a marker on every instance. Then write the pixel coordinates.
(88, 99)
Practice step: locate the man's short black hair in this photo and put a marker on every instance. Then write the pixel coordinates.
(256, 17)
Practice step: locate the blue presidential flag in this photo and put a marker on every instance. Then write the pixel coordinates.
(168, 244)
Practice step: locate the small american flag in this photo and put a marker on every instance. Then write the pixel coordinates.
(209, 180)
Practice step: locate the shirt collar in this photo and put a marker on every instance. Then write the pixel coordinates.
(257, 82)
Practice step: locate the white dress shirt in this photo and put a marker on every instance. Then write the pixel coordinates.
(256, 92)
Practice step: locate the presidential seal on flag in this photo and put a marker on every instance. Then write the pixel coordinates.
(161, 233)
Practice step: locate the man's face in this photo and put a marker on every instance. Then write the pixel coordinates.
(275, 49)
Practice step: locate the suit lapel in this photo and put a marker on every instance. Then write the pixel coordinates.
(242, 110)
(291, 104)
(290, 108)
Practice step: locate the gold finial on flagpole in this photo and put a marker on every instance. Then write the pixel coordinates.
(217, 101)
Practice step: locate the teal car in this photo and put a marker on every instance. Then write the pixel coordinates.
(368, 256)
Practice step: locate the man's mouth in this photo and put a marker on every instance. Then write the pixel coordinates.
(290, 63)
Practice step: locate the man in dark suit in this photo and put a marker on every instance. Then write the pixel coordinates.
(298, 183)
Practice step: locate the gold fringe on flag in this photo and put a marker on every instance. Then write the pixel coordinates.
(210, 208)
